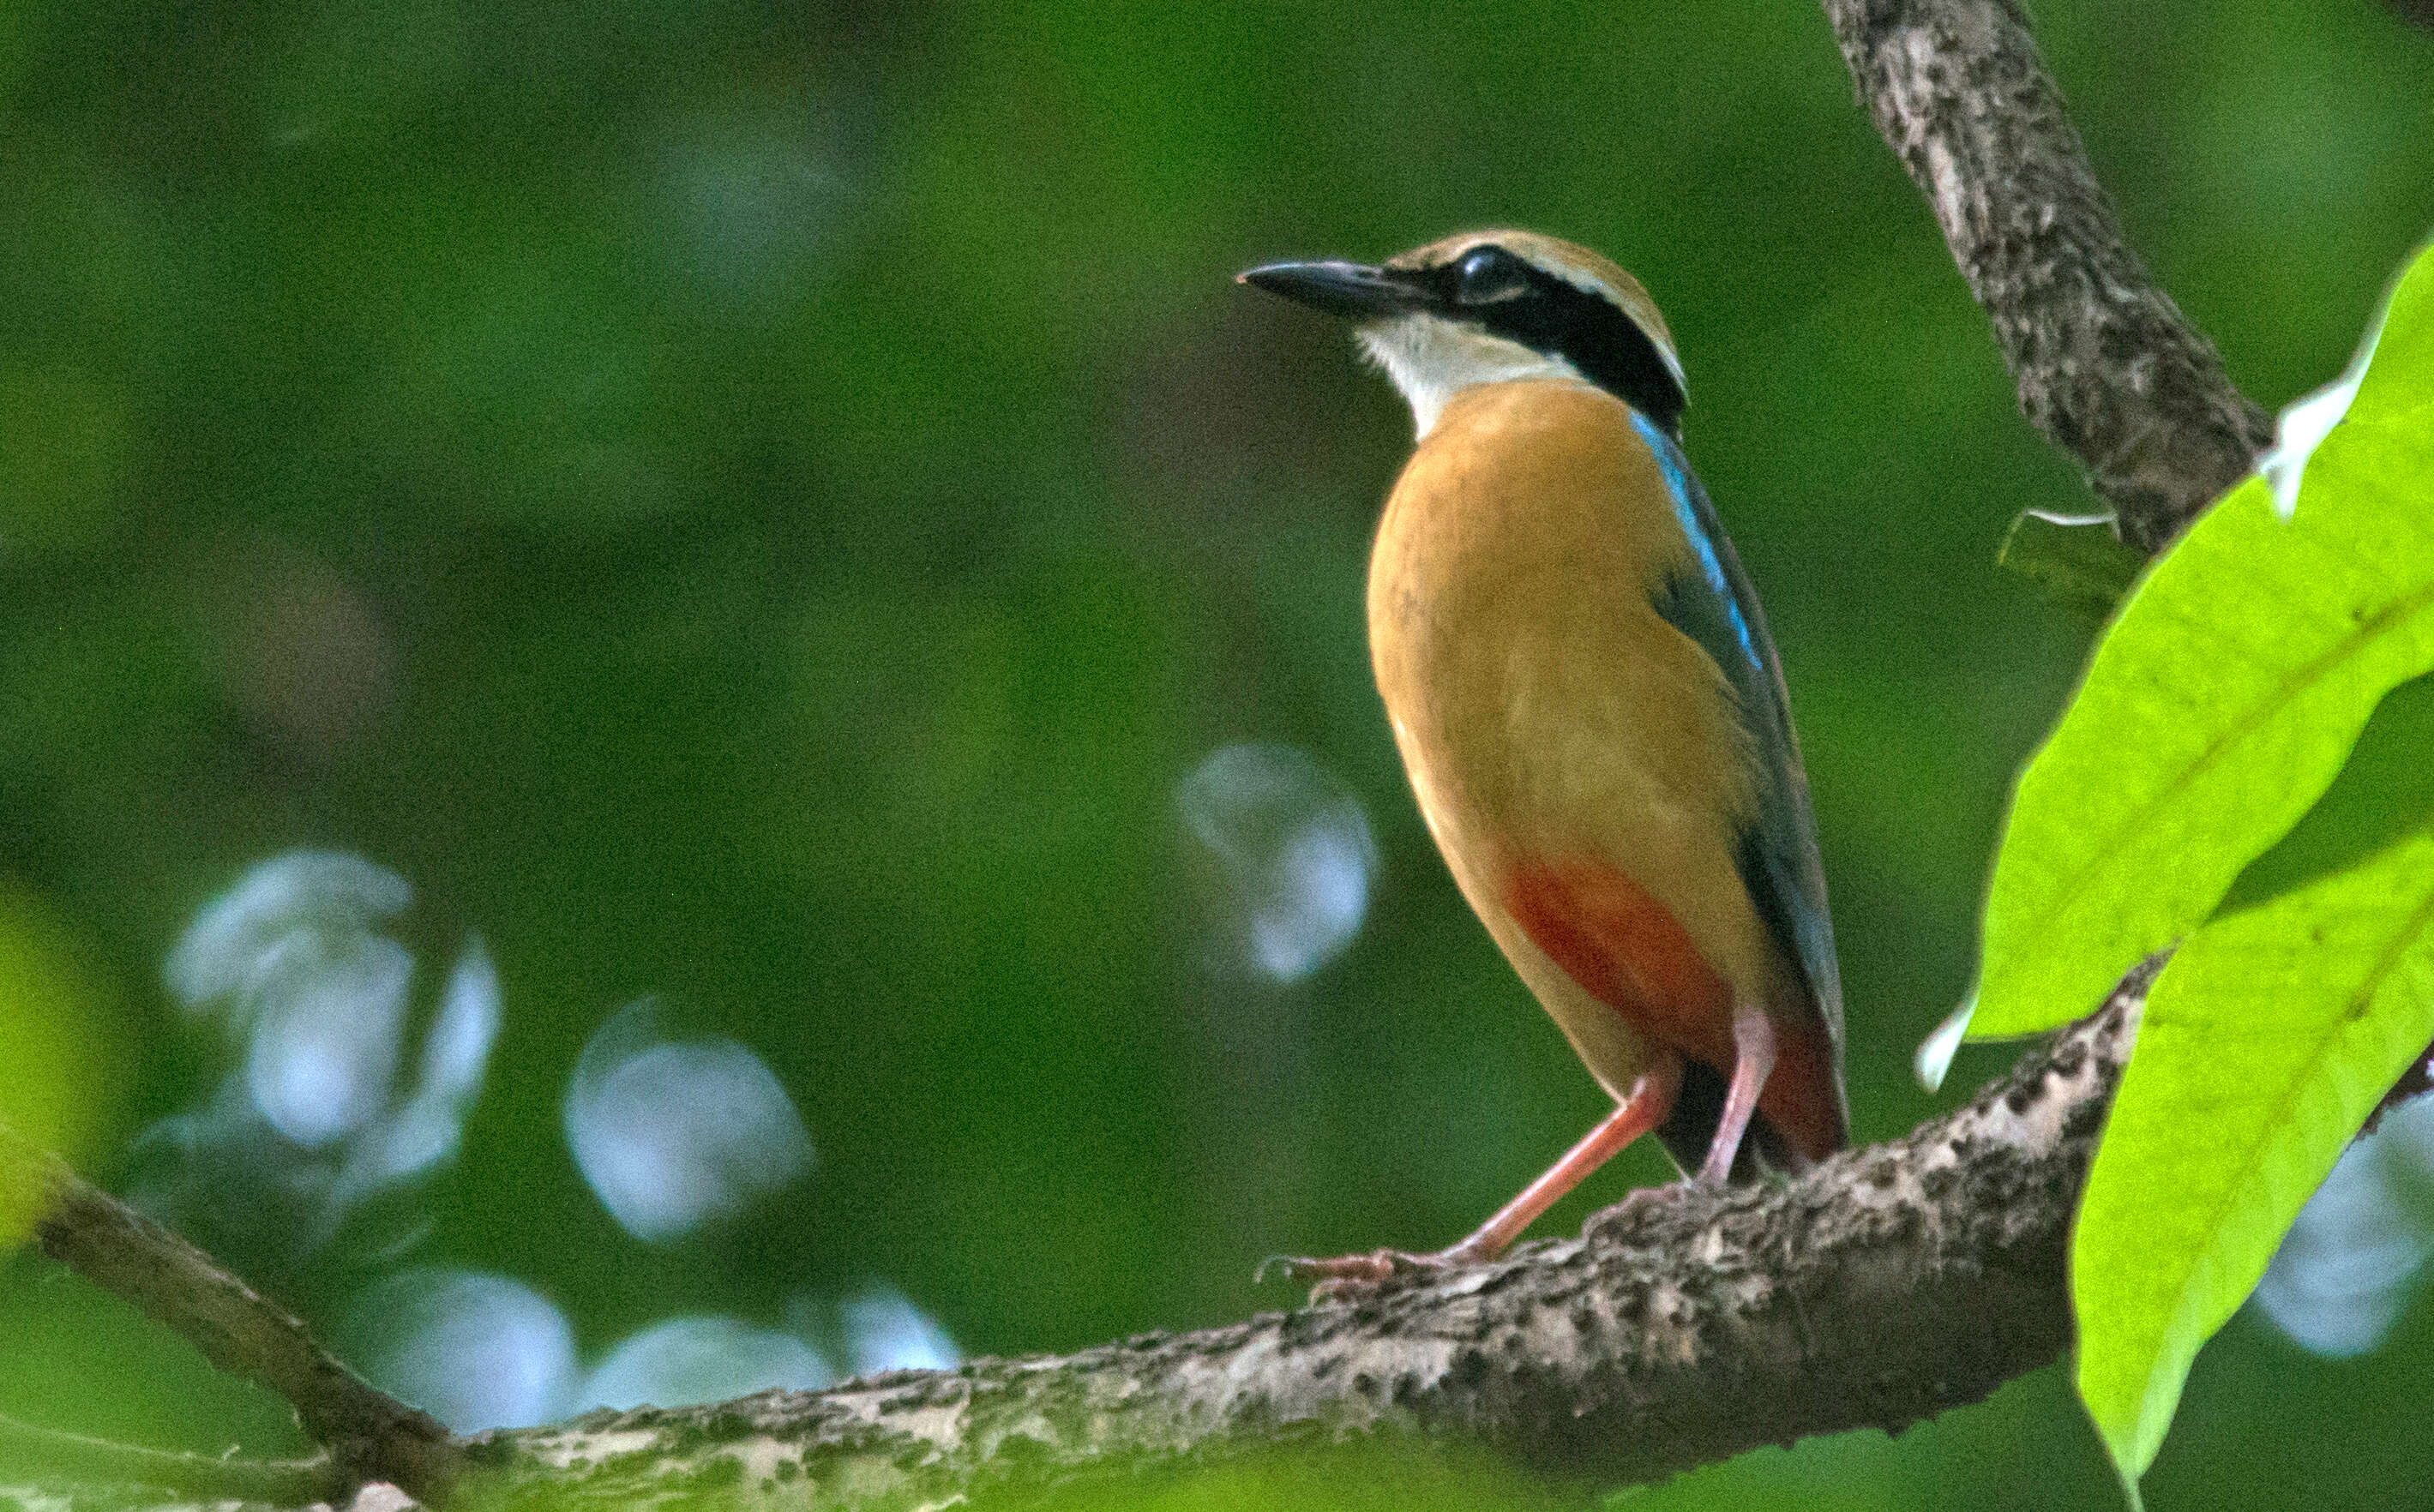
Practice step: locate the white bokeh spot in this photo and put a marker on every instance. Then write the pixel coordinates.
(886, 1331)
(477, 1352)
(681, 1361)
(2350, 1266)
(672, 1134)
(323, 1109)
(1291, 852)
(328, 1017)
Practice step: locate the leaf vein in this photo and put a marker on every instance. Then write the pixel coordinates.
(2290, 688)
(2284, 1105)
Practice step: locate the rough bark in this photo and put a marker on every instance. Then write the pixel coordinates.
(2107, 365)
(1682, 1327)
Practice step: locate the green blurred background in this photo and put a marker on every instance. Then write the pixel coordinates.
(773, 508)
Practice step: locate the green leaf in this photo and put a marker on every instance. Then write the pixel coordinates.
(2385, 791)
(2267, 1040)
(2399, 380)
(2223, 700)
(2076, 559)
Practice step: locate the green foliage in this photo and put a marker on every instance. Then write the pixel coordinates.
(61, 439)
(2267, 1040)
(1371, 1476)
(2221, 706)
(2217, 708)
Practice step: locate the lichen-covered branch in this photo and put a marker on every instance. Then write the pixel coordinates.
(1683, 1327)
(2107, 365)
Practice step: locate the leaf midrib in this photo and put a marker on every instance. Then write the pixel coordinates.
(2369, 630)
(2284, 1105)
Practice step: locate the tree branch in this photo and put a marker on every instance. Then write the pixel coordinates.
(1683, 1327)
(369, 1437)
(1686, 1325)
(2107, 365)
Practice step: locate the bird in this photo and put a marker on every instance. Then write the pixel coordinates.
(1591, 712)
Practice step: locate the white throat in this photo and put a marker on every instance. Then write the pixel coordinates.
(1430, 360)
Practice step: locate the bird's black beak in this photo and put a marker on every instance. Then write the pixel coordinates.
(1347, 289)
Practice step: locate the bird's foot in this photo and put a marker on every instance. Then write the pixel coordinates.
(1340, 1275)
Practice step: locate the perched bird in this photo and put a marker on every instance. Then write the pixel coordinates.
(1590, 710)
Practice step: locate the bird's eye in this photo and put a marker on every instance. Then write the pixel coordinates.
(1487, 275)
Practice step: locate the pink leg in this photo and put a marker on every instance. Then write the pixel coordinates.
(1651, 1099)
(1753, 1060)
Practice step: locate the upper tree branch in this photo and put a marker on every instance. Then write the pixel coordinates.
(2107, 365)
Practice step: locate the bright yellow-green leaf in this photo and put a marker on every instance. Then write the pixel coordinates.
(2267, 1040)
(2399, 381)
(53, 1021)
(2385, 791)
(2224, 699)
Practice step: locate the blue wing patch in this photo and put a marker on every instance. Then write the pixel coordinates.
(1715, 607)
(1706, 537)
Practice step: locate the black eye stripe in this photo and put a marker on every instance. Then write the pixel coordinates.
(1548, 314)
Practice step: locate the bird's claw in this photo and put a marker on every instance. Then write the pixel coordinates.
(1342, 1275)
